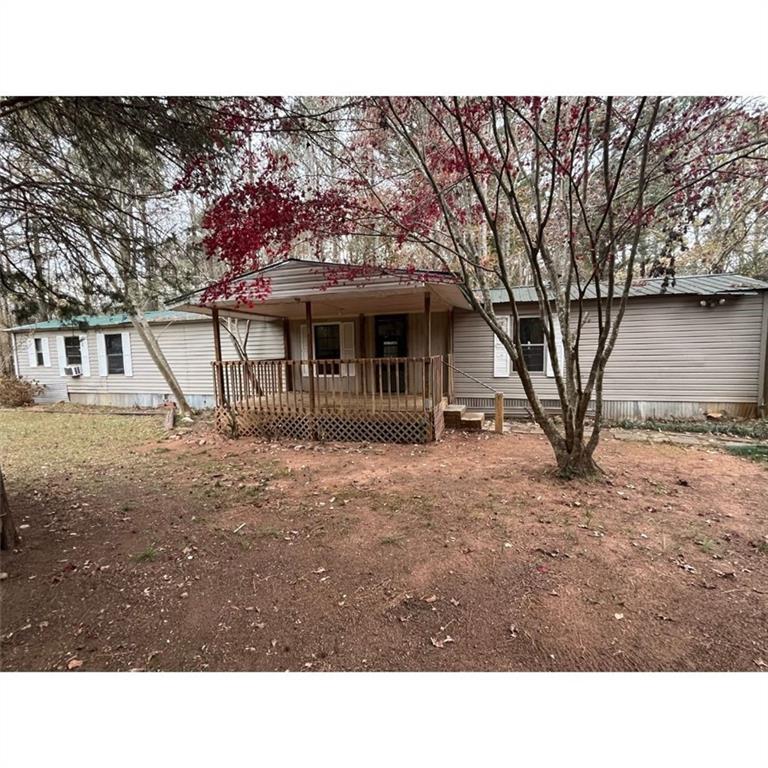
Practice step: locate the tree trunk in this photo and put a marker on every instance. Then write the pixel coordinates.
(158, 358)
(9, 536)
(576, 461)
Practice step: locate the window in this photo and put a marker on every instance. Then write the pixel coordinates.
(72, 350)
(39, 354)
(531, 334)
(327, 347)
(113, 344)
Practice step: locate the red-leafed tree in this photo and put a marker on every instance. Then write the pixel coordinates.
(559, 191)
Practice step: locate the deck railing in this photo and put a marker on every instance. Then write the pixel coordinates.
(371, 385)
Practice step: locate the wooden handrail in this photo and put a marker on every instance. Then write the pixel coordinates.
(339, 385)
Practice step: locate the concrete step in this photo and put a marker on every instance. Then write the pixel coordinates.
(452, 415)
(472, 422)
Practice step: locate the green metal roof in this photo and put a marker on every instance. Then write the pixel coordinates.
(82, 322)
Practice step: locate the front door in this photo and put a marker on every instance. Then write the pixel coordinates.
(391, 340)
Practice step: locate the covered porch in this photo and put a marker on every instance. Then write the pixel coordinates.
(367, 357)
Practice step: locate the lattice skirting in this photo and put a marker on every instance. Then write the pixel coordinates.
(392, 427)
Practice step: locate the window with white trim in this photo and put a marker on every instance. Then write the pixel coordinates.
(39, 353)
(531, 334)
(113, 345)
(72, 351)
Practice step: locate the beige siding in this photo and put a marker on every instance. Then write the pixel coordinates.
(188, 346)
(55, 385)
(668, 350)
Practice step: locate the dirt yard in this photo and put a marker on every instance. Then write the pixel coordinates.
(191, 553)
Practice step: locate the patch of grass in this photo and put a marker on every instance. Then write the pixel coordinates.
(269, 533)
(757, 428)
(148, 555)
(34, 443)
(708, 546)
(762, 547)
(757, 453)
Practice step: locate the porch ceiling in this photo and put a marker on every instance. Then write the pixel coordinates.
(343, 300)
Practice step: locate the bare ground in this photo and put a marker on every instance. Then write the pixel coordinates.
(142, 552)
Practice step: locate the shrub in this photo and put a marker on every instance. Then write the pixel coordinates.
(17, 391)
(754, 452)
(757, 428)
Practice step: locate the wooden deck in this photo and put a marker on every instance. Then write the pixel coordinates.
(358, 399)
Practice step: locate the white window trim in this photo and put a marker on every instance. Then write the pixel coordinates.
(61, 348)
(505, 369)
(101, 352)
(502, 362)
(32, 351)
(345, 369)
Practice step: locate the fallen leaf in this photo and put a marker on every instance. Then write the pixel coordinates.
(431, 599)
(441, 643)
(618, 616)
(319, 570)
(74, 664)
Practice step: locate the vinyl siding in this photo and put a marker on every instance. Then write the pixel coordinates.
(188, 346)
(669, 349)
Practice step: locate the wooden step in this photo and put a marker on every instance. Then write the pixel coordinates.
(452, 415)
(473, 421)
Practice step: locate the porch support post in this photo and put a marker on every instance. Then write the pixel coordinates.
(362, 341)
(287, 351)
(217, 355)
(311, 353)
(428, 348)
(362, 370)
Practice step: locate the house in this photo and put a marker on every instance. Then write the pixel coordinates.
(101, 360)
(344, 353)
(391, 354)
(365, 353)
(683, 350)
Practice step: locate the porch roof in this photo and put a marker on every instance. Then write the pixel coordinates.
(334, 290)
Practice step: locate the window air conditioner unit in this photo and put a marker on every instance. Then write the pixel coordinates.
(73, 370)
